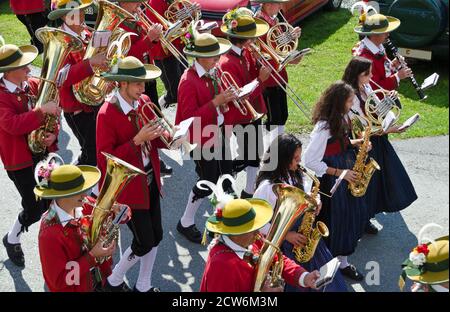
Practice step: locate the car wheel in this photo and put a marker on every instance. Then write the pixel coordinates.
(333, 5)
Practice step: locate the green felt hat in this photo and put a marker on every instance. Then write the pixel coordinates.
(62, 7)
(13, 57)
(133, 70)
(376, 24)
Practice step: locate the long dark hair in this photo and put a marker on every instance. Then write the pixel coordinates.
(356, 67)
(331, 108)
(283, 151)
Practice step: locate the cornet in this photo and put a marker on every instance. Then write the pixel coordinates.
(242, 105)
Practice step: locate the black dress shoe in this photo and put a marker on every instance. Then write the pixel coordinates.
(245, 195)
(119, 288)
(190, 232)
(371, 228)
(352, 273)
(14, 251)
(153, 289)
(165, 169)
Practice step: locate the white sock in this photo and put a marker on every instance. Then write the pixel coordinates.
(280, 130)
(188, 217)
(14, 233)
(251, 179)
(122, 267)
(344, 262)
(144, 282)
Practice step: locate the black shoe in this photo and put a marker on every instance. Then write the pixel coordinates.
(153, 289)
(371, 228)
(352, 273)
(245, 195)
(14, 251)
(120, 288)
(165, 169)
(190, 232)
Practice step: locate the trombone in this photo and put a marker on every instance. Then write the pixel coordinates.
(242, 105)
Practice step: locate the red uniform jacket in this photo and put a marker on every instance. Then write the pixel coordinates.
(16, 122)
(58, 246)
(382, 71)
(115, 133)
(243, 69)
(79, 70)
(22, 7)
(195, 97)
(272, 22)
(226, 272)
(140, 44)
(161, 7)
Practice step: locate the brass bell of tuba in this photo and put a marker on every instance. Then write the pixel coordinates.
(58, 44)
(292, 202)
(306, 228)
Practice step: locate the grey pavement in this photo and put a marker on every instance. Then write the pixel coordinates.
(180, 263)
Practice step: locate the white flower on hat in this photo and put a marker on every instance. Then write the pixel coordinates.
(417, 259)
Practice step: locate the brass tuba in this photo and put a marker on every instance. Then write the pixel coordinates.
(291, 204)
(361, 166)
(307, 229)
(93, 90)
(118, 174)
(58, 44)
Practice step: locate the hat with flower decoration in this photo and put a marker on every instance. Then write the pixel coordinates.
(62, 7)
(374, 24)
(428, 261)
(240, 23)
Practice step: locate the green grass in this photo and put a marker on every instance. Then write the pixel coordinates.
(331, 37)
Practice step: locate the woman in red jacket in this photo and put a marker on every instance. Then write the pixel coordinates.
(18, 118)
(120, 133)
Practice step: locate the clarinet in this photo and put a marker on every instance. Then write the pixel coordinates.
(395, 53)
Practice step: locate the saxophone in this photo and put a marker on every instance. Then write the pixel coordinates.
(361, 166)
(306, 228)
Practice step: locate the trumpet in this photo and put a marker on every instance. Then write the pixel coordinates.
(242, 105)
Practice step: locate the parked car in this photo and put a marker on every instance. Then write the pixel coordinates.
(424, 32)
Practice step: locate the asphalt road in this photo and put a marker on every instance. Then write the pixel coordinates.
(180, 263)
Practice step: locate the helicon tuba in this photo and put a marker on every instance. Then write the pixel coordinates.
(306, 228)
(118, 174)
(291, 204)
(58, 44)
(361, 166)
(93, 90)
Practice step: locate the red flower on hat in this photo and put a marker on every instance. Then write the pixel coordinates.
(219, 213)
(234, 24)
(423, 249)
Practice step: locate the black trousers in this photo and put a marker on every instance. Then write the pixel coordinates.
(277, 108)
(250, 145)
(32, 22)
(83, 126)
(146, 225)
(171, 73)
(32, 209)
(152, 92)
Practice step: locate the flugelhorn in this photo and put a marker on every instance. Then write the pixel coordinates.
(243, 105)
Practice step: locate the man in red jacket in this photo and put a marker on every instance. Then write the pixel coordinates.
(33, 14)
(69, 263)
(18, 118)
(242, 67)
(200, 95)
(376, 28)
(120, 132)
(233, 253)
(79, 116)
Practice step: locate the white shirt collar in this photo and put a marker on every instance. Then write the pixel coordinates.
(66, 28)
(200, 70)
(239, 250)
(63, 216)
(372, 47)
(12, 87)
(236, 49)
(124, 105)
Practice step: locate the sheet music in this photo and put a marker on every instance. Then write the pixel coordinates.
(338, 182)
(183, 128)
(100, 38)
(248, 88)
(327, 272)
(411, 120)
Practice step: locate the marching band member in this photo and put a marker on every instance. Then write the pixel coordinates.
(201, 96)
(376, 29)
(242, 67)
(275, 97)
(390, 189)
(142, 47)
(328, 154)
(230, 266)
(67, 262)
(18, 118)
(287, 149)
(80, 117)
(139, 147)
